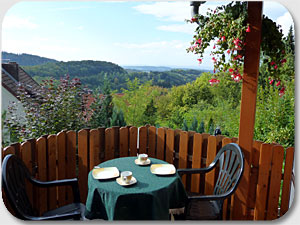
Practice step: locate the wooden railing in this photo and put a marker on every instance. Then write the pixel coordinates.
(69, 154)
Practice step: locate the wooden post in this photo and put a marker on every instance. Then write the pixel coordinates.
(248, 105)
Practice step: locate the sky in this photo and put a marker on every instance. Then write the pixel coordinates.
(126, 33)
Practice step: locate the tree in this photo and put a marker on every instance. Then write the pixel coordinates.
(201, 127)
(290, 41)
(117, 118)
(194, 124)
(149, 115)
(101, 107)
(185, 126)
(51, 109)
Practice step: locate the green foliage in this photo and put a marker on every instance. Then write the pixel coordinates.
(51, 110)
(149, 115)
(184, 126)
(117, 118)
(275, 116)
(201, 127)
(135, 101)
(194, 125)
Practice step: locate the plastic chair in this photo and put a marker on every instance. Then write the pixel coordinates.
(210, 207)
(14, 177)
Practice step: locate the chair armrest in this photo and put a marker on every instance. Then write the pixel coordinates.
(195, 170)
(55, 217)
(71, 182)
(208, 197)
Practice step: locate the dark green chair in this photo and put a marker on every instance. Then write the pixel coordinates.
(14, 177)
(210, 207)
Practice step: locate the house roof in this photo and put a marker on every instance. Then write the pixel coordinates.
(13, 76)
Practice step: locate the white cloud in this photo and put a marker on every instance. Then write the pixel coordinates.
(15, 22)
(285, 21)
(170, 11)
(80, 28)
(183, 28)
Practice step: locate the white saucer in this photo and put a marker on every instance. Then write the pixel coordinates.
(122, 183)
(138, 162)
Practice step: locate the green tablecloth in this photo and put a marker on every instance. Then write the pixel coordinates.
(150, 198)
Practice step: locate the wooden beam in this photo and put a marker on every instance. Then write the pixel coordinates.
(248, 105)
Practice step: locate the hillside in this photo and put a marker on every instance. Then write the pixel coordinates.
(92, 73)
(25, 59)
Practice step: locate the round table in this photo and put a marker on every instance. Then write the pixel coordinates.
(148, 199)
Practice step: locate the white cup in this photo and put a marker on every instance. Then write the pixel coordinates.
(142, 157)
(126, 176)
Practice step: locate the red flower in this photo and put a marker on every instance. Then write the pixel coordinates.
(278, 83)
(193, 20)
(223, 38)
(213, 81)
(271, 82)
(228, 51)
(199, 41)
(248, 29)
(275, 67)
(214, 59)
(283, 61)
(200, 60)
(230, 70)
(281, 92)
(214, 47)
(272, 63)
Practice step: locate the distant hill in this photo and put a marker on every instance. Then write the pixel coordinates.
(147, 68)
(25, 59)
(92, 73)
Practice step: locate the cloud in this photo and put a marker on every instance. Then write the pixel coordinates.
(173, 11)
(80, 28)
(169, 11)
(183, 28)
(15, 22)
(285, 21)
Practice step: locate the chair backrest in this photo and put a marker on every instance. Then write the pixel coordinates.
(15, 178)
(231, 161)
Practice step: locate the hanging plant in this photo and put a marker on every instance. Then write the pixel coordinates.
(225, 29)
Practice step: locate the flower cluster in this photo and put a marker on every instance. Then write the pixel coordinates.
(225, 29)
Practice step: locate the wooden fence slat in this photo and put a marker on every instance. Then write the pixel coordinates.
(7, 150)
(83, 162)
(61, 166)
(26, 156)
(183, 153)
(133, 140)
(160, 148)
(52, 192)
(275, 182)
(210, 176)
(124, 150)
(94, 148)
(41, 147)
(71, 161)
(143, 140)
(286, 188)
(196, 162)
(254, 176)
(170, 140)
(109, 144)
(152, 141)
(263, 181)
